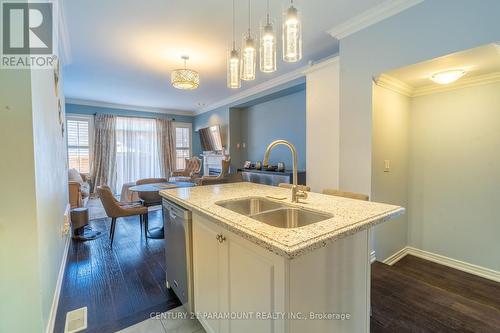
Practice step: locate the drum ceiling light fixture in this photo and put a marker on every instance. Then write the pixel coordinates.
(185, 78)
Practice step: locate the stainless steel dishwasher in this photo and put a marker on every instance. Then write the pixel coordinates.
(179, 252)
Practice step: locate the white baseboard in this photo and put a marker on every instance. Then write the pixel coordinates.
(57, 291)
(445, 261)
(397, 256)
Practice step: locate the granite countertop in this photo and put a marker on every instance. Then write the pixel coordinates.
(349, 216)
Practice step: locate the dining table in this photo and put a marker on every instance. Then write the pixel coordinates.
(158, 232)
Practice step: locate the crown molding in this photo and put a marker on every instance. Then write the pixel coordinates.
(389, 82)
(321, 64)
(464, 82)
(300, 72)
(374, 15)
(394, 84)
(64, 42)
(127, 107)
(277, 81)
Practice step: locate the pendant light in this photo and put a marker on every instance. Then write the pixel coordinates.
(248, 54)
(267, 45)
(185, 78)
(292, 35)
(233, 63)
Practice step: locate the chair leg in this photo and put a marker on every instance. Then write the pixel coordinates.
(146, 227)
(112, 231)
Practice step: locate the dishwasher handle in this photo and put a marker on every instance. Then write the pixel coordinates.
(171, 212)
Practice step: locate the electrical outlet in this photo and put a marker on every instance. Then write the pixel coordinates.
(65, 229)
(66, 221)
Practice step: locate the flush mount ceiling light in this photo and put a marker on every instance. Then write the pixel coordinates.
(185, 78)
(447, 77)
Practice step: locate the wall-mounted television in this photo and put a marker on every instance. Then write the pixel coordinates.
(211, 139)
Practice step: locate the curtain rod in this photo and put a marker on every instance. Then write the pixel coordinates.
(127, 116)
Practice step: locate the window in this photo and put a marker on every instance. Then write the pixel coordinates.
(78, 135)
(182, 144)
(136, 150)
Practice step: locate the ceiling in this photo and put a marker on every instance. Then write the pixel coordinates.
(122, 51)
(476, 62)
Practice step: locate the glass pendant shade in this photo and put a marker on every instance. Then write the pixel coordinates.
(292, 35)
(248, 58)
(233, 69)
(267, 47)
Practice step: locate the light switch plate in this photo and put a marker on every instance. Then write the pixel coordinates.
(387, 165)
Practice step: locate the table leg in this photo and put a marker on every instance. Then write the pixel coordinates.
(156, 233)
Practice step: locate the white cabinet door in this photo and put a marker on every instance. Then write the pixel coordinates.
(252, 289)
(209, 284)
(237, 278)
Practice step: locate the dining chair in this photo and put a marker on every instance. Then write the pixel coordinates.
(350, 195)
(299, 187)
(150, 198)
(115, 209)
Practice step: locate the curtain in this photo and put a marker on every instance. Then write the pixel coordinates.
(103, 165)
(166, 146)
(136, 150)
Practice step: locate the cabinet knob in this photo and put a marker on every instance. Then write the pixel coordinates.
(220, 238)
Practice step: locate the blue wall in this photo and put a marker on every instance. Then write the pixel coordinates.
(281, 118)
(218, 116)
(85, 109)
(231, 127)
(90, 110)
(277, 113)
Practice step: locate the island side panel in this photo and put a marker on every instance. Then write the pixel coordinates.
(332, 279)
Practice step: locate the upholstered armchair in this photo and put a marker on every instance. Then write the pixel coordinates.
(190, 172)
(79, 188)
(223, 177)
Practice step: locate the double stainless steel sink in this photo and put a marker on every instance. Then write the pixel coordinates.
(276, 214)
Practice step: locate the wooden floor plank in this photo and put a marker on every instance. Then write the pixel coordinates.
(471, 286)
(404, 301)
(120, 286)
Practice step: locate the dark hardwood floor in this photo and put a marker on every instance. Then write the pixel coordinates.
(120, 286)
(416, 295)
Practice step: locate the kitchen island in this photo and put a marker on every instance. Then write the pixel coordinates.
(253, 274)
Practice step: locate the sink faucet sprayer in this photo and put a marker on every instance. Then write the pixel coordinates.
(296, 193)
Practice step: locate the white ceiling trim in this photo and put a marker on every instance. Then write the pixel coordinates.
(374, 15)
(277, 81)
(321, 64)
(464, 82)
(300, 72)
(127, 107)
(389, 82)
